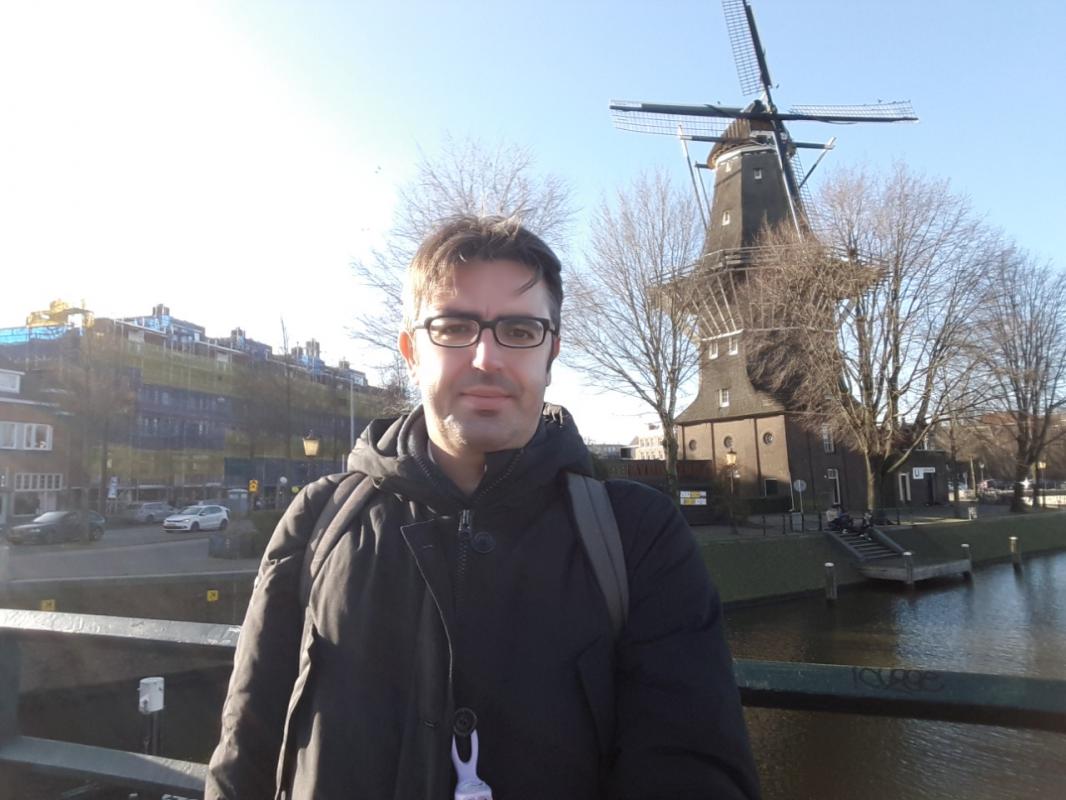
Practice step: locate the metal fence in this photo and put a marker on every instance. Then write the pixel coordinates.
(895, 692)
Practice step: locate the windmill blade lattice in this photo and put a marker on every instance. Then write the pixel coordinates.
(894, 111)
(744, 54)
(806, 199)
(665, 124)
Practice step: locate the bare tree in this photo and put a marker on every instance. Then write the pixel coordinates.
(399, 394)
(260, 410)
(96, 384)
(629, 326)
(466, 177)
(1024, 343)
(872, 319)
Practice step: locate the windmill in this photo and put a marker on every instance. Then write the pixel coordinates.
(760, 124)
(759, 179)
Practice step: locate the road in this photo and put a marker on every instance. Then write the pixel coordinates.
(141, 550)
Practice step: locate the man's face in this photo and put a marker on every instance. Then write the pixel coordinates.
(484, 397)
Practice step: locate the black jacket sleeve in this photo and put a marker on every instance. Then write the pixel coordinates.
(266, 660)
(680, 730)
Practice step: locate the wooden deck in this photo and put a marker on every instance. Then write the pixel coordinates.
(894, 569)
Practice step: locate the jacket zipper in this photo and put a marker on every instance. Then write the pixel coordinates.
(466, 533)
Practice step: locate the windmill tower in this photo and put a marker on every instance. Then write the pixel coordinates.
(758, 181)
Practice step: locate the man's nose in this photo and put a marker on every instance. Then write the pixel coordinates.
(488, 354)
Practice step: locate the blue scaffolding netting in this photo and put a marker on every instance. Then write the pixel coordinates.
(24, 334)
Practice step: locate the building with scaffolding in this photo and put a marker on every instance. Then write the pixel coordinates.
(158, 410)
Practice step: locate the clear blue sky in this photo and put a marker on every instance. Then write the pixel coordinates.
(230, 159)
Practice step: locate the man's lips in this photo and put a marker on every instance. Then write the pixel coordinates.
(485, 398)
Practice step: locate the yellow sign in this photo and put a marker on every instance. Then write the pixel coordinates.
(48, 605)
(212, 595)
(253, 486)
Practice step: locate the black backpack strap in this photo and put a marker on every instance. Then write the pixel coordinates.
(347, 503)
(599, 534)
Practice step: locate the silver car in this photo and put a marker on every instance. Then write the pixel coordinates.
(148, 512)
(198, 518)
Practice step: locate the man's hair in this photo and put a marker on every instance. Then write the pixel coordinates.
(461, 240)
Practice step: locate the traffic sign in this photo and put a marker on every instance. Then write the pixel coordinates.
(253, 486)
(799, 484)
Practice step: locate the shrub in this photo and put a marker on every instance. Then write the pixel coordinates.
(264, 521)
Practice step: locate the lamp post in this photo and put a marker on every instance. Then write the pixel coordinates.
(1041, 466)
(311, 445)
(282, 483)
(731, 462)
(731, 465)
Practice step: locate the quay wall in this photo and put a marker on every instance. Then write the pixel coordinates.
(774, 568)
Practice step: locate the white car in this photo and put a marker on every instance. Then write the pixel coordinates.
(198, 518)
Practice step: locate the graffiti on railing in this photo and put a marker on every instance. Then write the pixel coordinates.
(901, 680)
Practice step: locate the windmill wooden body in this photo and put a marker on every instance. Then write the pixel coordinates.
(758, 181)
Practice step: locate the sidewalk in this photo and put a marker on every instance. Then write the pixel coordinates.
(780, 525)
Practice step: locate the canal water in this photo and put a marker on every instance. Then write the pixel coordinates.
(1001, 622)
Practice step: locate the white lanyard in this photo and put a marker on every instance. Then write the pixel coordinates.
(469, 786)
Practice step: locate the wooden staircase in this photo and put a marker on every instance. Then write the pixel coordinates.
(867, 547)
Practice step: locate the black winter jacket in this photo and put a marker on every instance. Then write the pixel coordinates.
(412, 622)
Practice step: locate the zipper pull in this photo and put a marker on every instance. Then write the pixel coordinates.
(466, 529)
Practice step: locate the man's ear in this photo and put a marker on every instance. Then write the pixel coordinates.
(554, 354)
(405, 342)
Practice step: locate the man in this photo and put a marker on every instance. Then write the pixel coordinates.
(460, 610)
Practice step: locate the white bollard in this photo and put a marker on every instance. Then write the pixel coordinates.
(908, 565)
(1015, 551)
(830, 581)
(969, 560)
(150, 704)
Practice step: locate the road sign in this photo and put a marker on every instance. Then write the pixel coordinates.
(799, 485)
(212, 595)
(920, 472)
(112, 487)
(253, 486)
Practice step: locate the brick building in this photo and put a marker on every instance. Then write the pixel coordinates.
(35, 466)
(748, 437)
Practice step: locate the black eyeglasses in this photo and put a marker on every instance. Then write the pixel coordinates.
(459, 331)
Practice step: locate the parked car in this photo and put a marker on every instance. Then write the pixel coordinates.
(148, 512)
(198, 518)
(58, 526)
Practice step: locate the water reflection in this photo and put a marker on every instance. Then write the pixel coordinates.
(1002, 622)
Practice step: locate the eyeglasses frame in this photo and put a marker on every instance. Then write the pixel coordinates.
(490, 325)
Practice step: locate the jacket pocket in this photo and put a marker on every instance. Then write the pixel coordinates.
(296, 702)
(595, 666)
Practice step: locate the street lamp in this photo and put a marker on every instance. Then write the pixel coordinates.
(1041, 466)
(282, 483)
(731, 462)
(731, 465)
(311, 445)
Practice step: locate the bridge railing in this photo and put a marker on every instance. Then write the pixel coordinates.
(895, 692)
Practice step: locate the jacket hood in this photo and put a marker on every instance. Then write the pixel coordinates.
(394, 453)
